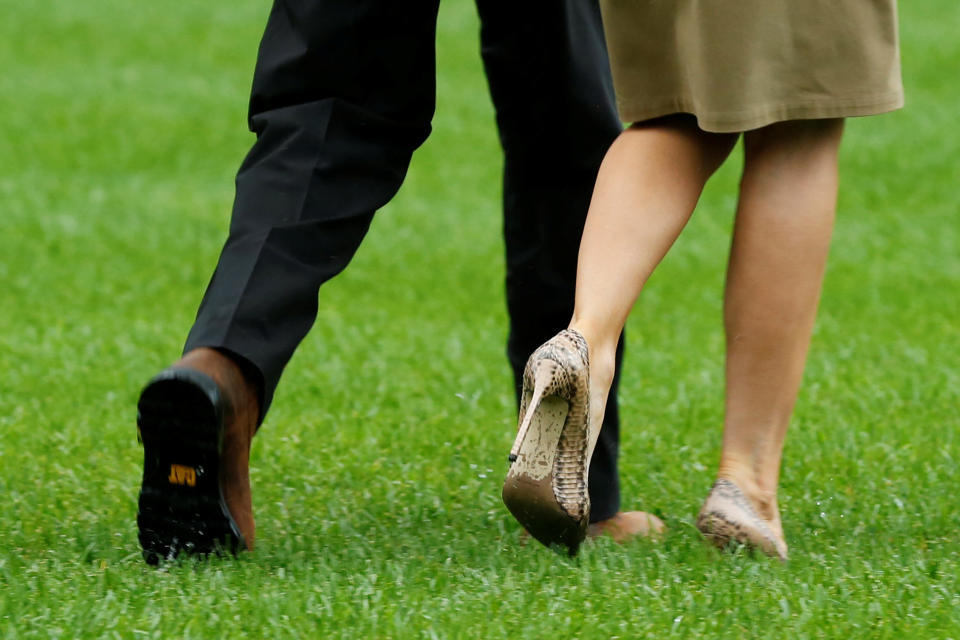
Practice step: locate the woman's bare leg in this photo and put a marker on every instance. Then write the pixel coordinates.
(648, 185)
(781, 238)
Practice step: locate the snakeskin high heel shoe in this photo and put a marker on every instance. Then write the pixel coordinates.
(546, 486)
(727, 516)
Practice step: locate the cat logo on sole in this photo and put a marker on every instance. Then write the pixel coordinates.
(181, 474)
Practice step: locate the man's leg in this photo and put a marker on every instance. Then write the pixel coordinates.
(547, 67)
(342, 95)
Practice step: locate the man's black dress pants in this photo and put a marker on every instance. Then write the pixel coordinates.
(343, 93)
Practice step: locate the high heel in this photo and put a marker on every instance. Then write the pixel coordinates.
(546, 486)
(727, 516)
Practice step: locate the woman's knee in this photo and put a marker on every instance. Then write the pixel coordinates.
(712, 148)
(794, 136)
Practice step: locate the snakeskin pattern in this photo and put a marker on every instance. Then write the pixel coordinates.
(728, 516)
(564, 358)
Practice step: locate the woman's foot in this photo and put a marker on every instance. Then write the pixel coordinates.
(728, 515)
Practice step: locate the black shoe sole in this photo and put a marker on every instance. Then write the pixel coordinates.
(181, 509)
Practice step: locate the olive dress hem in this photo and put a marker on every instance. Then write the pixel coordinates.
(761, 116)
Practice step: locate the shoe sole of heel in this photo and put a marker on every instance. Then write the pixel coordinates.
(528, 489)
(180, 508)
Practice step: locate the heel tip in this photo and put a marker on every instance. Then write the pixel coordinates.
(512, 457)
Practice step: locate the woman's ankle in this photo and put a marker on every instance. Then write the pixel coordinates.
(602, 357)
(602, 350)
(761, 494)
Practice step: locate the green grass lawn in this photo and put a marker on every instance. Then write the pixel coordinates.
(377, 474)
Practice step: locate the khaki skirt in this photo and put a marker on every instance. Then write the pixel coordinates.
(743, 64)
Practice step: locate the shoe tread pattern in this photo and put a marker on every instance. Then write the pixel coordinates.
(179, 421)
